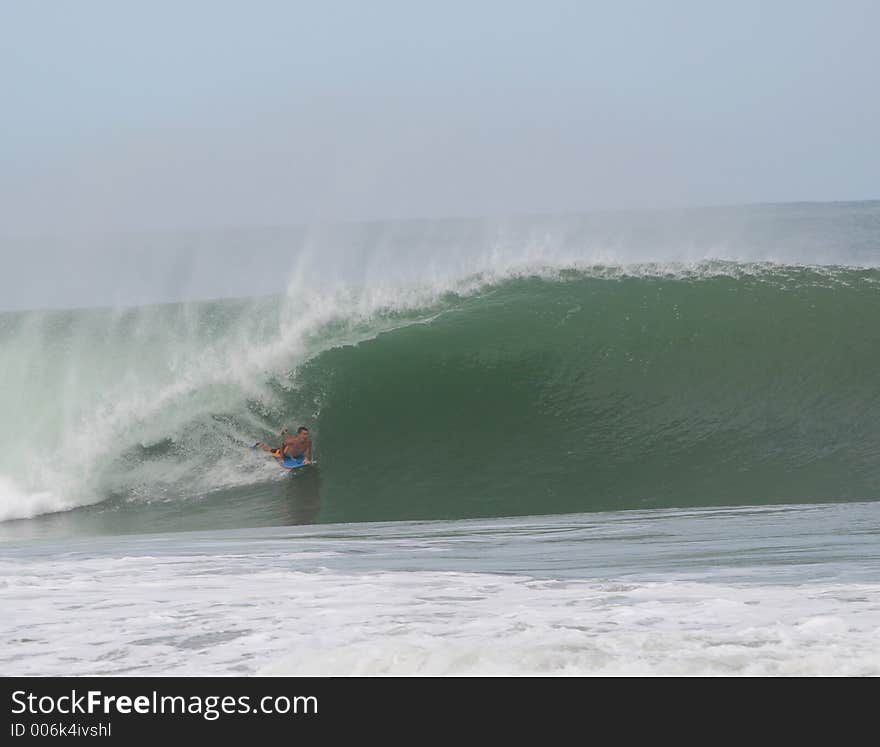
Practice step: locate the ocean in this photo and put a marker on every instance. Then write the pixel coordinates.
(602, 444)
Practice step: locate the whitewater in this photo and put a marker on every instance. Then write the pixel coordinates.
(604, 444)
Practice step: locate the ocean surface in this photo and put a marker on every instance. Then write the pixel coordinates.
(624, 443)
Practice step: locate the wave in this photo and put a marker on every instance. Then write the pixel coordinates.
(532, 389)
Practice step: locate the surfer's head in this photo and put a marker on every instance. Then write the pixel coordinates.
(302, 429)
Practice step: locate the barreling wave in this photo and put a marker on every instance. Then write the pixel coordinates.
(535, 390)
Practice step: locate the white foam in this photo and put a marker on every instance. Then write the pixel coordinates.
(18, 503)
(261, 614)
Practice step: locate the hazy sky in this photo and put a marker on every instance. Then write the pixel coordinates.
(129, 115)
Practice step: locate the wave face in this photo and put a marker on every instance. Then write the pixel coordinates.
(545, 390)
(588, 393)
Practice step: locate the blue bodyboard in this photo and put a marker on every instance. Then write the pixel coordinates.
(289, 463)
